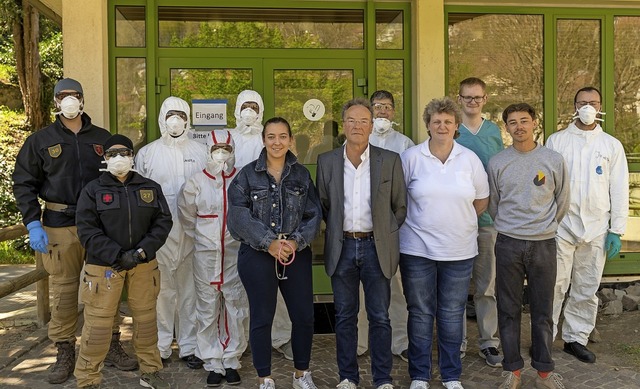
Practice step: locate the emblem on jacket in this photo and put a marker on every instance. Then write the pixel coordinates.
(98, 149)
(146, 195)
(107, 198)
(55, 151)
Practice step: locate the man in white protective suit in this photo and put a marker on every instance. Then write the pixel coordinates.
(222, 307)
(384, 136)
(590, 232)
(170, 161)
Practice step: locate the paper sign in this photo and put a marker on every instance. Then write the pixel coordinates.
(209, 112)
(313, 109)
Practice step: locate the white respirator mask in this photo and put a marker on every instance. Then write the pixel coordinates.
(119, 166)
(248, 116)
(176, 126)
(70, 107)
(381, 125)
(220, 160)
(588, 115)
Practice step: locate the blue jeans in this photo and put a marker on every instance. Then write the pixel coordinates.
(536, 260)
(359, 263)
(435, 290)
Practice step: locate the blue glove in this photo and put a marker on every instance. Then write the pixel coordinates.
(612, 245)
(38, 239)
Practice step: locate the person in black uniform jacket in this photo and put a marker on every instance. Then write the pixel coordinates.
(54, 164)
(123, 219)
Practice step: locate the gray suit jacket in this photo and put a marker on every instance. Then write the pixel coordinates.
(388, 205)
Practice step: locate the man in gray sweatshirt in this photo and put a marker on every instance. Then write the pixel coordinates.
(529, 188)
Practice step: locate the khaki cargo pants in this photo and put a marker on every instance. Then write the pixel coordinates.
(63, 261)
(101, 295)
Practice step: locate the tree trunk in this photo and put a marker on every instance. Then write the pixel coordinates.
(25, 39)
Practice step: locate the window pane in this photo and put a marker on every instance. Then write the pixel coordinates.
(389, 29)
(295, 87)
(578, 63)
(189, 84)
(131, 92)
(130, 27)
(390, 77)
(627, 85)
(631, 237)
(260, 28)
(505, 51)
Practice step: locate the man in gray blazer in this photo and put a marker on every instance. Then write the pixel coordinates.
(363, 197)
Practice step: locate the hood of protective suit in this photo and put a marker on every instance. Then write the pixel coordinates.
(243, 97)
(218, 160)
(173, 104)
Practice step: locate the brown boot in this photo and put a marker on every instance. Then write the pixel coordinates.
(117, 357)
(65, 362)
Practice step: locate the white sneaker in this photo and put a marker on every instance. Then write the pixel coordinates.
(385, 386)
(417, 384)
(304, 382)
(268, 384)
(346, 384)
(453, 385)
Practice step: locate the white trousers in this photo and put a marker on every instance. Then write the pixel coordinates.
(579, 265)
(221, 313)
(175, 306)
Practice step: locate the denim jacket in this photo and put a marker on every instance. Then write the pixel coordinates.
(260, 208)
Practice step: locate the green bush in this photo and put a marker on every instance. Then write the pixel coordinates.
(12, 135)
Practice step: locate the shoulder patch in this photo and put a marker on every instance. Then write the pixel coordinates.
(98, 149)
(146, 195)
(55, 151)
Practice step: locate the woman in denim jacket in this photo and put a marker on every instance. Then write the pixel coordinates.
(275, 212)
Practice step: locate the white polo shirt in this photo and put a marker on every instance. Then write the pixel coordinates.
(441, 221)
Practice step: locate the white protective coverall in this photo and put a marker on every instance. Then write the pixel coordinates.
(222, 307)
(248, 140)
(390, 139)
(393, 140)
(170, 161)
(599, 204)
(248, 133)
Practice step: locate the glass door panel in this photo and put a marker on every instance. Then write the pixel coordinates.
(578, 63)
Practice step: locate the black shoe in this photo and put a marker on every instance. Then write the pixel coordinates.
(232, 376)
(214, 379)
(580, 352)
(193, 362)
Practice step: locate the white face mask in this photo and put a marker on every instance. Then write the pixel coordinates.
(381, 125)
(70, 107)
(588, 115)
(248, 116)
(220, 160)
(176, 126)
(119, 166)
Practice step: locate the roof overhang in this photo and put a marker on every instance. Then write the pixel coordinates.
(52, 9)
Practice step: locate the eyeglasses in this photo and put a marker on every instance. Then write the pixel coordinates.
(353, 122)
(468, 99)
(178, 113)
(581, 104)
(224, 146)
(124, 152)
(62, 95)
(383, 107)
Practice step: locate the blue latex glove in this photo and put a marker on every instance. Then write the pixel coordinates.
(38, 239)
(612, 245)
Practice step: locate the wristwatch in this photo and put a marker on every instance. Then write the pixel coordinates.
(142, 254)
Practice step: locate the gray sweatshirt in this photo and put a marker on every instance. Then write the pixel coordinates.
(529, 192)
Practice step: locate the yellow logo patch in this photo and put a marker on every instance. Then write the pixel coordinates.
(146, 195)
(55, 151)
